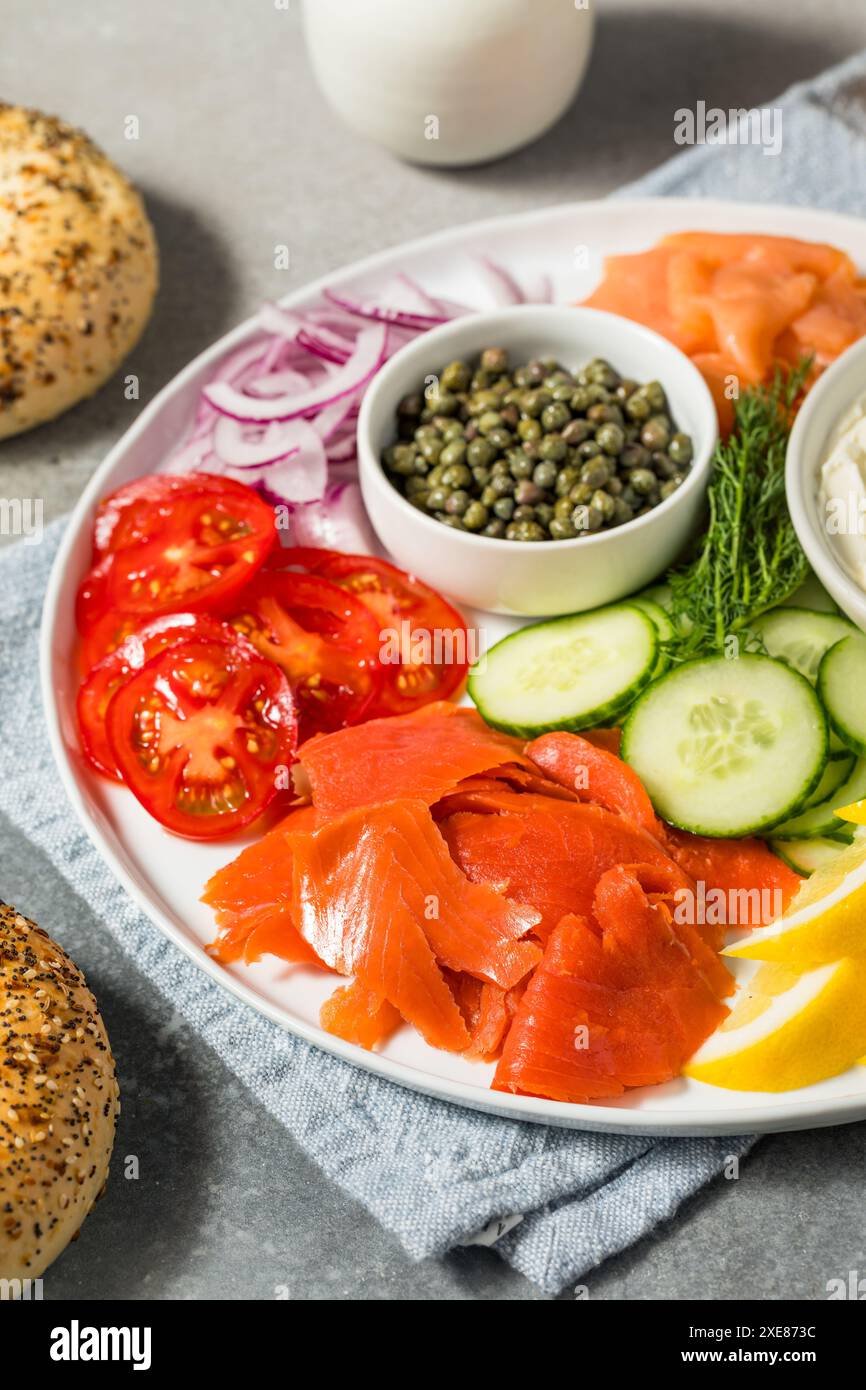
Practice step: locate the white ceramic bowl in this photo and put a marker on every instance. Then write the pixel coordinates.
(549, 577)
(829, 399)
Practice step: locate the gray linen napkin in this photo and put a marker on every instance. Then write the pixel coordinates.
(434, 1174)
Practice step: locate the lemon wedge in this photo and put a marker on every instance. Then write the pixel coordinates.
(788, 1030)
(825, 920)
(856, 812)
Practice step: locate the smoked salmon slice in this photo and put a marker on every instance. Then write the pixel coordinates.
(420, 755)
(762, 882)
(353, 1012)
(377, 896)
(251, 898)
(608, 1009)
(549, 853)
(594, 774)
(739, 303)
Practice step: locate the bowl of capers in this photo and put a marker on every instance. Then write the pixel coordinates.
(537, 460)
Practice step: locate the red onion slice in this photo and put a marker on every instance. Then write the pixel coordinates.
(248, 446)
(296, 477)
(317, 339)
(339, 522)
(501, 283)
(380, 312)
(369, 354)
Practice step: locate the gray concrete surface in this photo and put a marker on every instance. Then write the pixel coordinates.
(237, 152)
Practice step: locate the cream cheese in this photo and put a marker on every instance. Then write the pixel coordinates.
(842, 491)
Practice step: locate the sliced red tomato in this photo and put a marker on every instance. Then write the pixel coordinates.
(202, 549)
(201, 734)
(323, 638)
(129, 655)
(137, 511)
(423, 641)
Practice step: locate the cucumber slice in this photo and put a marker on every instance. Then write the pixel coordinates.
(805, 856)
(811, 594)
(727, 747)
(819, 820)
(569, 673)
(656, 593)
(836, 773)
(663, 626)
(842, 689)
(800, 636)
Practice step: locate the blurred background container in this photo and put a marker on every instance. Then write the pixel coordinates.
(451, 82)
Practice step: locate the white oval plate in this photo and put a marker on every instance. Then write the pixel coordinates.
(165, 875)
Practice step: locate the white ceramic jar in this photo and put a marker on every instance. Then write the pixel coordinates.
(449, 81)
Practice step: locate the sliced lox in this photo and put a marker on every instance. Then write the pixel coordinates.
(420, 756)
(613, 1005)
(377, 896)
(595, 775)
(252, 899)
(549, 853)
(359, 1015)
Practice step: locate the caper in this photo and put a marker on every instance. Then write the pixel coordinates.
(502, 485)
(504, 508)
(588, 449)
(430, 449)
(656, 432)
(544, 475)
(581, 494)
(480, 453)
(562, 528)
(411, 406)
(537, 371)
(663, 465)
(415, 487)
(447, 520)
(434, 477)
(610, 438)
(555, 417)
(528, 428)
(544, 513)
(495, 360)
(489, 495)
(586, 518)
(603, 502)
(418, 499)
(622, 512)
(576, 431)
(553, 448)
(535, 402)
(614, 486)
(436, 499)
(500, 438)
(643, 481)
(489, 420)
(604, 414)
(520, 464)
(475, 516)
(581, 399)
(637, 407)
(456, 474)
(669, 488)
(526, 492)
(481, 476)
(634, 456)
(680, 448)
(655, 394)
(451, 429)
(563, 507)
(626, 388)
(601, 373)
(596, 472)
(565, 479)
(525, 531)
(458, 502)
(453, 453)
(495, 528)
(456, 377)
(441, 402)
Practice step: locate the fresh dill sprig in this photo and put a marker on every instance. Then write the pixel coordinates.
(749, 559)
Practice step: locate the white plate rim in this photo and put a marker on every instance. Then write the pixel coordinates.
(700, 1121)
